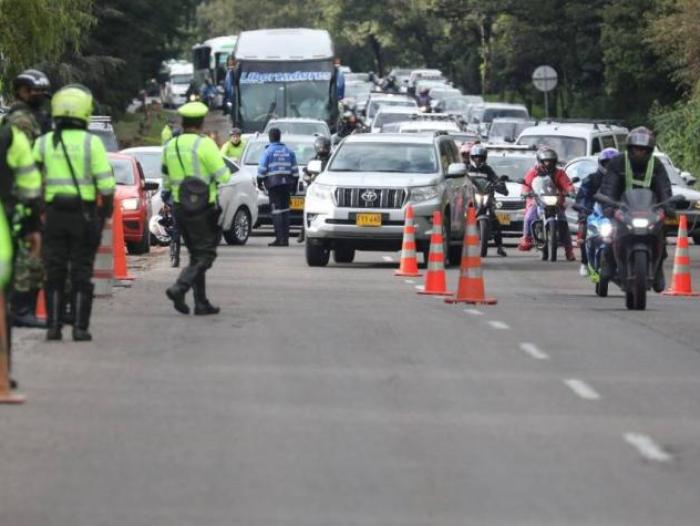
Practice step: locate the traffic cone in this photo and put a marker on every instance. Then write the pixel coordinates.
(681, 283)
(40, 313)
(471, 281)
(6, 394)
(435, 282)
(409, 264)
(121, 271)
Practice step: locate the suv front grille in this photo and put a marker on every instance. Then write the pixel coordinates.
(360, 197)
(512, 205)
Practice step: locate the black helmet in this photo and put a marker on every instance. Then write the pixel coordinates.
(322, 145)
(32, 78)
(641, 137)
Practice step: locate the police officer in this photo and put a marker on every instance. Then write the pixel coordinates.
(75, 168)
(192, 170)
(279, 172)
(20, 193)
(234, 147)
(322, 145)
(31, 89)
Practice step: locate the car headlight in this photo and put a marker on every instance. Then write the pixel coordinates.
(606, 229)
(424, 193)
(322, 192)
(640, 222)
(130, 204)
(550, 200)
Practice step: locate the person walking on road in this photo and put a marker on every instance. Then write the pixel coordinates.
(76, 173)
(233, 148)
(279, 172)
(193, 168)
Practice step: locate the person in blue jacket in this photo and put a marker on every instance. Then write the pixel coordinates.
(279, 173)
(339, 81)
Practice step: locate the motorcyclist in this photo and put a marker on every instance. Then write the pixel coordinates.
(349, 123)
(547, 166)
(477, 164)
(638, 168)
(28, 112)
(423, 99)
(390, 84)
(585, 202)
(322, 145)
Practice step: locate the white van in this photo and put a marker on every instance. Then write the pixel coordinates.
(574, 139)
(179, 79)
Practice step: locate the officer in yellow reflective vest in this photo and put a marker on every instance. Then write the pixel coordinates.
(193, 168)
(76, 171)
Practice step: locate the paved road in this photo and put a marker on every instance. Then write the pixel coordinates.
(339, 397)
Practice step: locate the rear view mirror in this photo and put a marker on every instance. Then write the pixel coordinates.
(151, 186)
(688, 178)
(505, 179)
(576, 179)
(604, 199)
(314, 167)
(457, 170)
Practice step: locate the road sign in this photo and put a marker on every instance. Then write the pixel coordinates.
(545, 78)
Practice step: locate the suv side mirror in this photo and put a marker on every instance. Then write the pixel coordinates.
(688, 178)
(151, 186)
(456, 170)
(314, 167)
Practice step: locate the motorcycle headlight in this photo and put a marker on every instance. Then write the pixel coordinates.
(606, 229)
(640, 222)
(130, 204)
(424, 193)
(481, 199)
(322, 192)
(550, 200)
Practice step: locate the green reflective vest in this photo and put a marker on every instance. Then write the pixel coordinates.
(198, 157)
(231, 150)
(89, 160)
(166, 134)
(17, 159)
(5, 251)
(631, 182)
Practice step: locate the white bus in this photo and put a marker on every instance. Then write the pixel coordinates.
(209, 58)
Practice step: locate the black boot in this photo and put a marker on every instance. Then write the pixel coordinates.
(284, 239)
(500, 251)
(54, 301)
(659, 279)
(302, 235)
(25, 310)
(82, 303)
(176, 293)
(202, 307)
(277, 225)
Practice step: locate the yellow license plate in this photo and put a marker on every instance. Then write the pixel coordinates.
(671, 221)
(368, 220)
(296, 203)
(503, 219)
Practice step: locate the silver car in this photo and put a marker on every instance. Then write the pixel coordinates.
(359, 202)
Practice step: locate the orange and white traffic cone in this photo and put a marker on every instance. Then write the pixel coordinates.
(471, 281)
(6, 394)
(681, 283)
(40, 313)
(435, 282)
(409, 263)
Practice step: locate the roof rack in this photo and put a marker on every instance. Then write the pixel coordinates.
(511, 147)
(595, 122)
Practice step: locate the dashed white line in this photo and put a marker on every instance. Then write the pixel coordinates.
(534, 351)
(582, 389)
(419, 287)
(499, 325)
(409, 281)
(474, 312)
(647, 447)
(388, 259)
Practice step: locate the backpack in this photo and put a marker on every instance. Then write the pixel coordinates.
(194, 193)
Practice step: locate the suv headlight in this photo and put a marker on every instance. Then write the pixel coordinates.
(130, 204)
(424, 193)
(322, 192)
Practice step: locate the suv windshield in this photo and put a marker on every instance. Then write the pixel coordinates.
(497, 113)
(566, 147)
(123, 172)
(304, 151)
(383, 118)
(515, 167)
(385, 157)
(376, 104)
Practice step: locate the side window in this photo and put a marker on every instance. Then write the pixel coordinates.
(595, 146)
(608, 141)
(621, 141)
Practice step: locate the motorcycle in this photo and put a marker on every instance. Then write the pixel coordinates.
(483, 198)
(547, 228)
(638, 242)
(598, 247)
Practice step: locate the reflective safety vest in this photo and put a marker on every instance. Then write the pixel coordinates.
(199, 157)
(20, 180)
(88, 158)
(631, 182)
(166, 134)
(233, 151)
(5, 251)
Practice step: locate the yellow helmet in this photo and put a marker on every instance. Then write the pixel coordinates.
(193, 110)
(73, 101)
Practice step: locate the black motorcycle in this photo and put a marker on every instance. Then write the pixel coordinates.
(547, 228)
(638, 242)
(483, 198)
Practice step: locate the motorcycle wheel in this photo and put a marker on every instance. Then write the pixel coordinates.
(484, 235)
(601, 288)
(552, 234)
(640, 269)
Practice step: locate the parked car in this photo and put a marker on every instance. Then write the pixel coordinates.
(359, 201)
(507, 130)
(574, 139)
(299, 126)
(151, 159)
(132, 193)
(238, 200)
(101, 125)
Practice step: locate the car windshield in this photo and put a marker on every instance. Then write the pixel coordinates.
(582, 168)
(375, 105)
(304, 151)
(507, 130)
(497, 113)
(566, 147)
(301, 128)
(383, 118)
(150, 162)
(514, 166)
(108, 139)
(181, 79)
(385, 157)
(123, 171)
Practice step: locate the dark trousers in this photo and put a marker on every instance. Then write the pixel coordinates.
(279, 206)
(201, 235)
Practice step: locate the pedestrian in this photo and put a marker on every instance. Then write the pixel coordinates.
(279, 173)
(233, 148)
(20, 194)
(193, 168)
(76, 172)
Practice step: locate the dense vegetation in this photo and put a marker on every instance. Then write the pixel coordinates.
(635, 60)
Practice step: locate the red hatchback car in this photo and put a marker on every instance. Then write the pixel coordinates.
(132, 193)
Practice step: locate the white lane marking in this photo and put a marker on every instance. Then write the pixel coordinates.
(499, 325)
(647, 447)
(582, 389)
(388, 259)
(474, 312)
(419, 287)
(410, 281)
(534, 351)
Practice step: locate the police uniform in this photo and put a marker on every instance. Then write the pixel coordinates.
(76, 172)
(233, 151)
(279, 171)
(188, 157)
